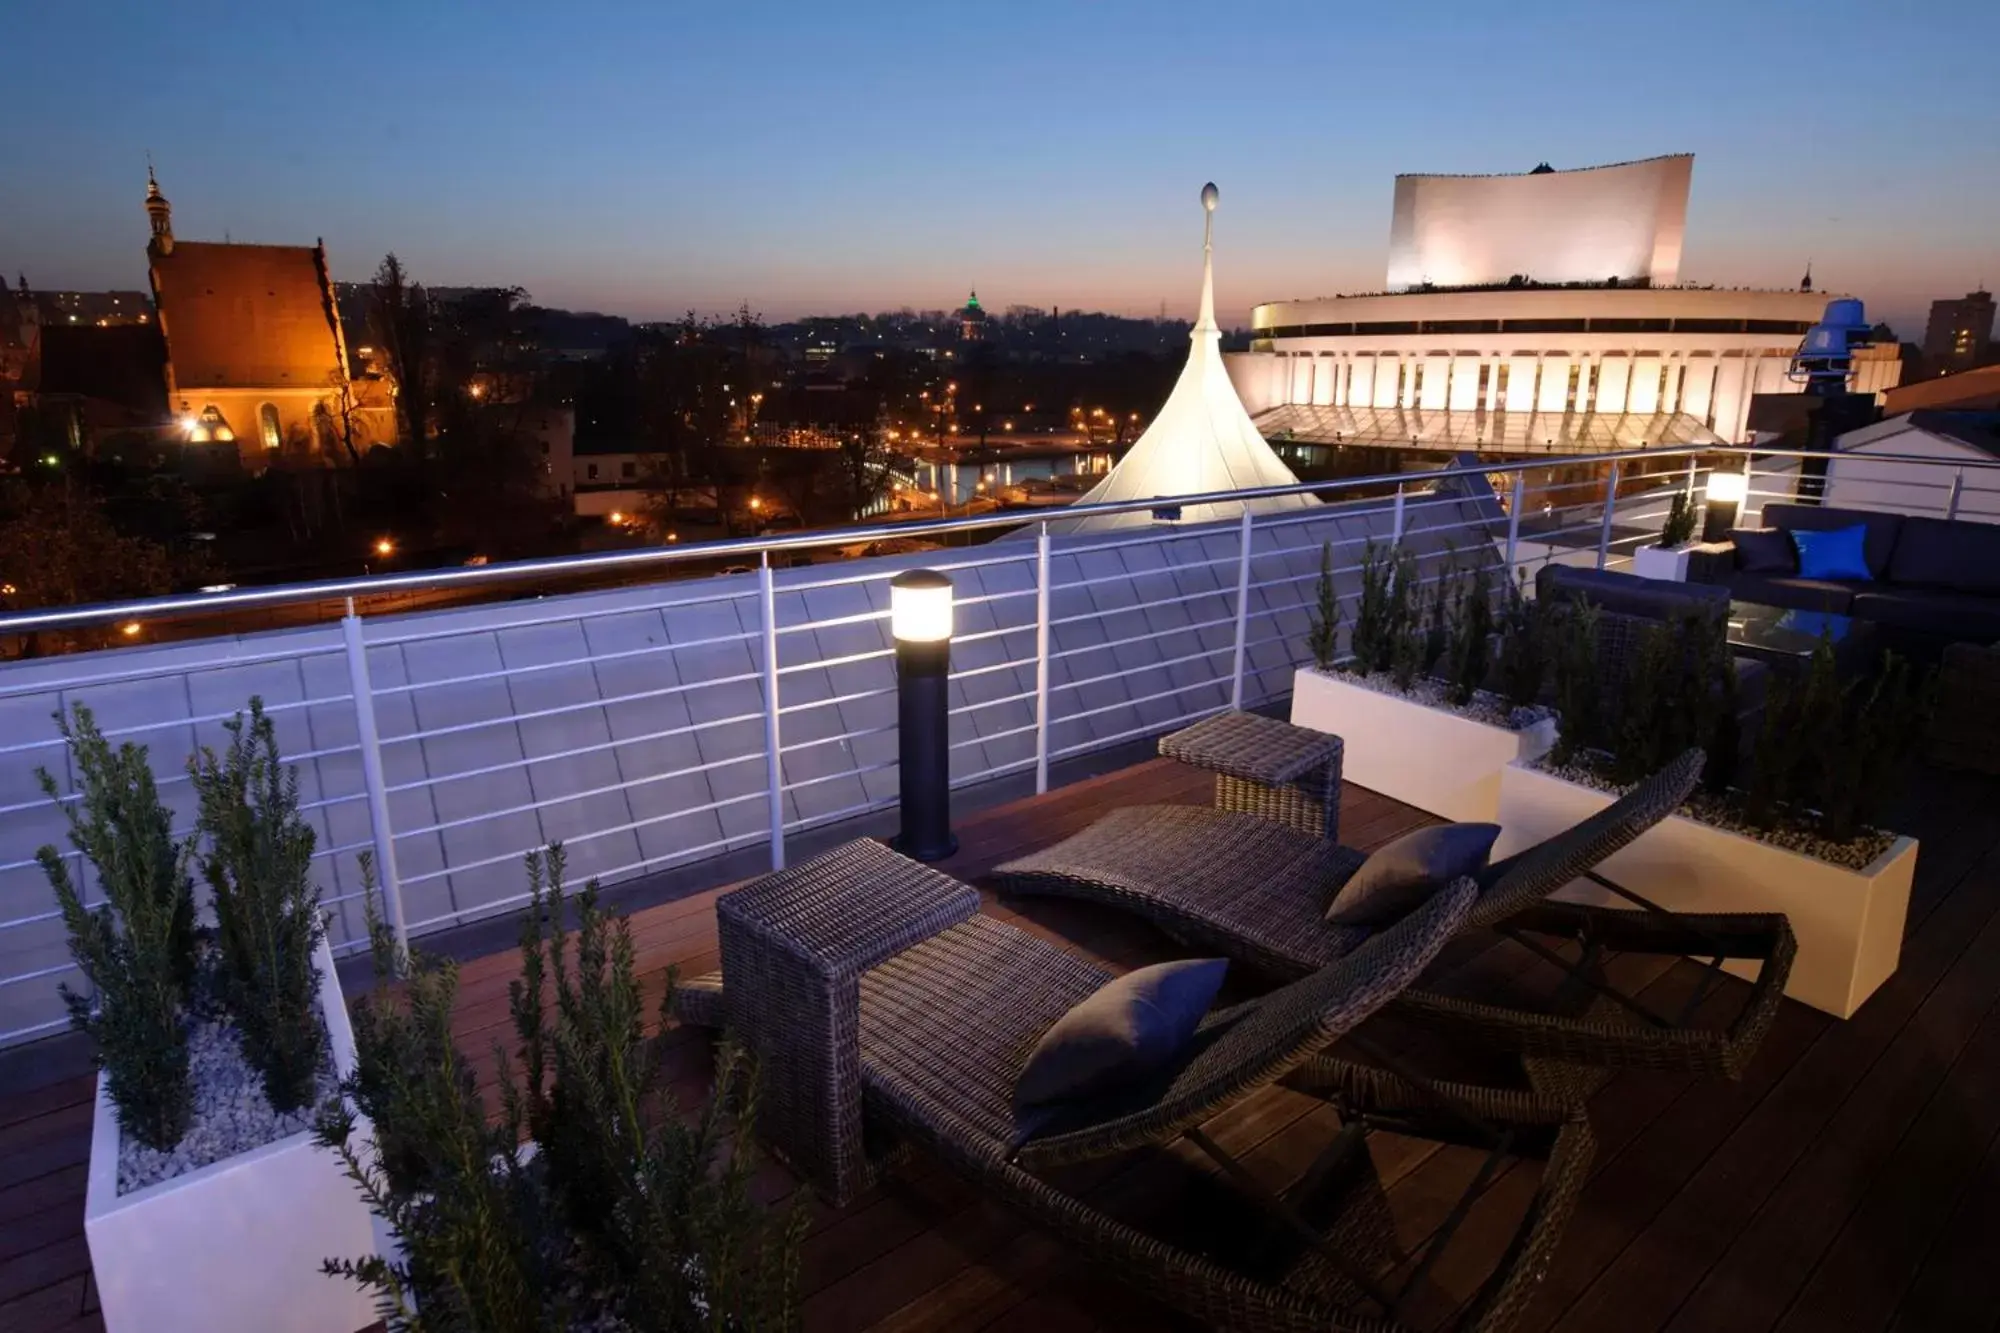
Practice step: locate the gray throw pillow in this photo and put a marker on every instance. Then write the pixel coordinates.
(1402, 875)
(1128, 1029)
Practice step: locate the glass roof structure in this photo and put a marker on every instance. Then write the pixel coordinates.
(1456, 431)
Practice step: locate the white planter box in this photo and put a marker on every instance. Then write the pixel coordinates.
(1660, 562)
(238, 1243)
(1849, 923)
(1421, 756)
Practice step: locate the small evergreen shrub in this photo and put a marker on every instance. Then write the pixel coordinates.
(1323, 636)
(1380, 619)
(1678, 530)
(258, 863)
(1525, 635)
(137, 948)
(627, 1212)
(1471, 637)
(1577, 693)
(1438, 600)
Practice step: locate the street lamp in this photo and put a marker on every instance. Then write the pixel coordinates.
(1726, 493)
(920, 615)
(384, 547)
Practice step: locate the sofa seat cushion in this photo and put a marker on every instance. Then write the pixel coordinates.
(1794, 593)
(1939, 553)
(1960, 616)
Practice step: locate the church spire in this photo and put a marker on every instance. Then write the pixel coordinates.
(1805, 283)
(160, 212)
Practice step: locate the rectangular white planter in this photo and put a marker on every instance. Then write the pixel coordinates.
(238, 1243)
(1849, 923)
(1422, 756)
(1660, 562)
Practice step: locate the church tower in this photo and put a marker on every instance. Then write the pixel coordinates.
(162, 214)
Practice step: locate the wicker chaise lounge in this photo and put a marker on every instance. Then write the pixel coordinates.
(1252, 878)
(936, 1034)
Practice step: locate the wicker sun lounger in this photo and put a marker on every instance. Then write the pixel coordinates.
(930, 1040)
(1254, 884)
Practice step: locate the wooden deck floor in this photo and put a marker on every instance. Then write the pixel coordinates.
(1850, 1182)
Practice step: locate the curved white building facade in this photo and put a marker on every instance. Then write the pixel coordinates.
(1625, 222)
(1533, 365)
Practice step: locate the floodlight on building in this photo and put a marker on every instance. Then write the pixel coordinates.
(920, 616)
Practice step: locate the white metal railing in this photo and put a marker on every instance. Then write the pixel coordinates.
(663, 723)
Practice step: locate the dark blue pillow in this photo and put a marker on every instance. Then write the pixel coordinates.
(1764, 551)
(1130, 1029)
(1835, 554)
(1399, 877)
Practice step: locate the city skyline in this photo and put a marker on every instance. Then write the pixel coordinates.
(880, 157)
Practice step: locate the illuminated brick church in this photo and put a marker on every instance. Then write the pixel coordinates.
(255, 354)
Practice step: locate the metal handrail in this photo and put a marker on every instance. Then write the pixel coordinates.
(77, 617)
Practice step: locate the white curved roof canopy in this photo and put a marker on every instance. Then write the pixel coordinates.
(1202, 441)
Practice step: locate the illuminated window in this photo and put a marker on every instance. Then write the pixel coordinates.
(267, 426)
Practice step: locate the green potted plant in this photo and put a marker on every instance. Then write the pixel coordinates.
(1668, 557)
(590, 1200)
(208, 1204)
(1415, 699)
(1792, 826)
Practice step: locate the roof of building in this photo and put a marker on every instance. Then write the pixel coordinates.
(1522, 432)
(1202, 441)
(247, 316)
(1975, 430)
(123, 364)
(1977, 388)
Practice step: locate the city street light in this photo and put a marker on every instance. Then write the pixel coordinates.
(384, 547)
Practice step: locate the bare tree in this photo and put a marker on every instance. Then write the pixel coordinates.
(400, 320)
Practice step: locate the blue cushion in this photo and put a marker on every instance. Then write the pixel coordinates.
(1400, 876)
(1127, 1031)
(1838, 554)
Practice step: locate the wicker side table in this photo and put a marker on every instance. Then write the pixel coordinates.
(794, 946)
(1266, 767)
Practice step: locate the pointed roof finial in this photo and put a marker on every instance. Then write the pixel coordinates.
(1205, 320)
(152, 182)
(1805, 283)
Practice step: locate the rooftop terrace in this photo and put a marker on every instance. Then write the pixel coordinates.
(684, 736)
(1850, 1181)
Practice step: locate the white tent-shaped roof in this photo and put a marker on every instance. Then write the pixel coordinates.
(1201, 442)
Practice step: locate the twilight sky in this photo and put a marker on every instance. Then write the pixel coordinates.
(644, 158)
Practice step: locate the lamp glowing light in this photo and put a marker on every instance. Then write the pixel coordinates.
(920, 619)
(615, 517)
(384, 547)
(1726, 492)
(920, 604)
(130, 629)
(1728, 487)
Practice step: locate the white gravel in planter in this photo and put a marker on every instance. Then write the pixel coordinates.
(1431, 692)
(230, 1113)
(1724, 812)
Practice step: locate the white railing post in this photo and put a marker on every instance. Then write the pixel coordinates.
(1041, 658)
(369, 741)
(1242, 613)
(1693, 463)
(1514, 520)
(1396, 533)
(1957, 488)
(1749, 494)
(774, 768)
(1610, 512)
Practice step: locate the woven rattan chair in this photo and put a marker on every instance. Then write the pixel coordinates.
(1257, 889)
(946, 1027)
